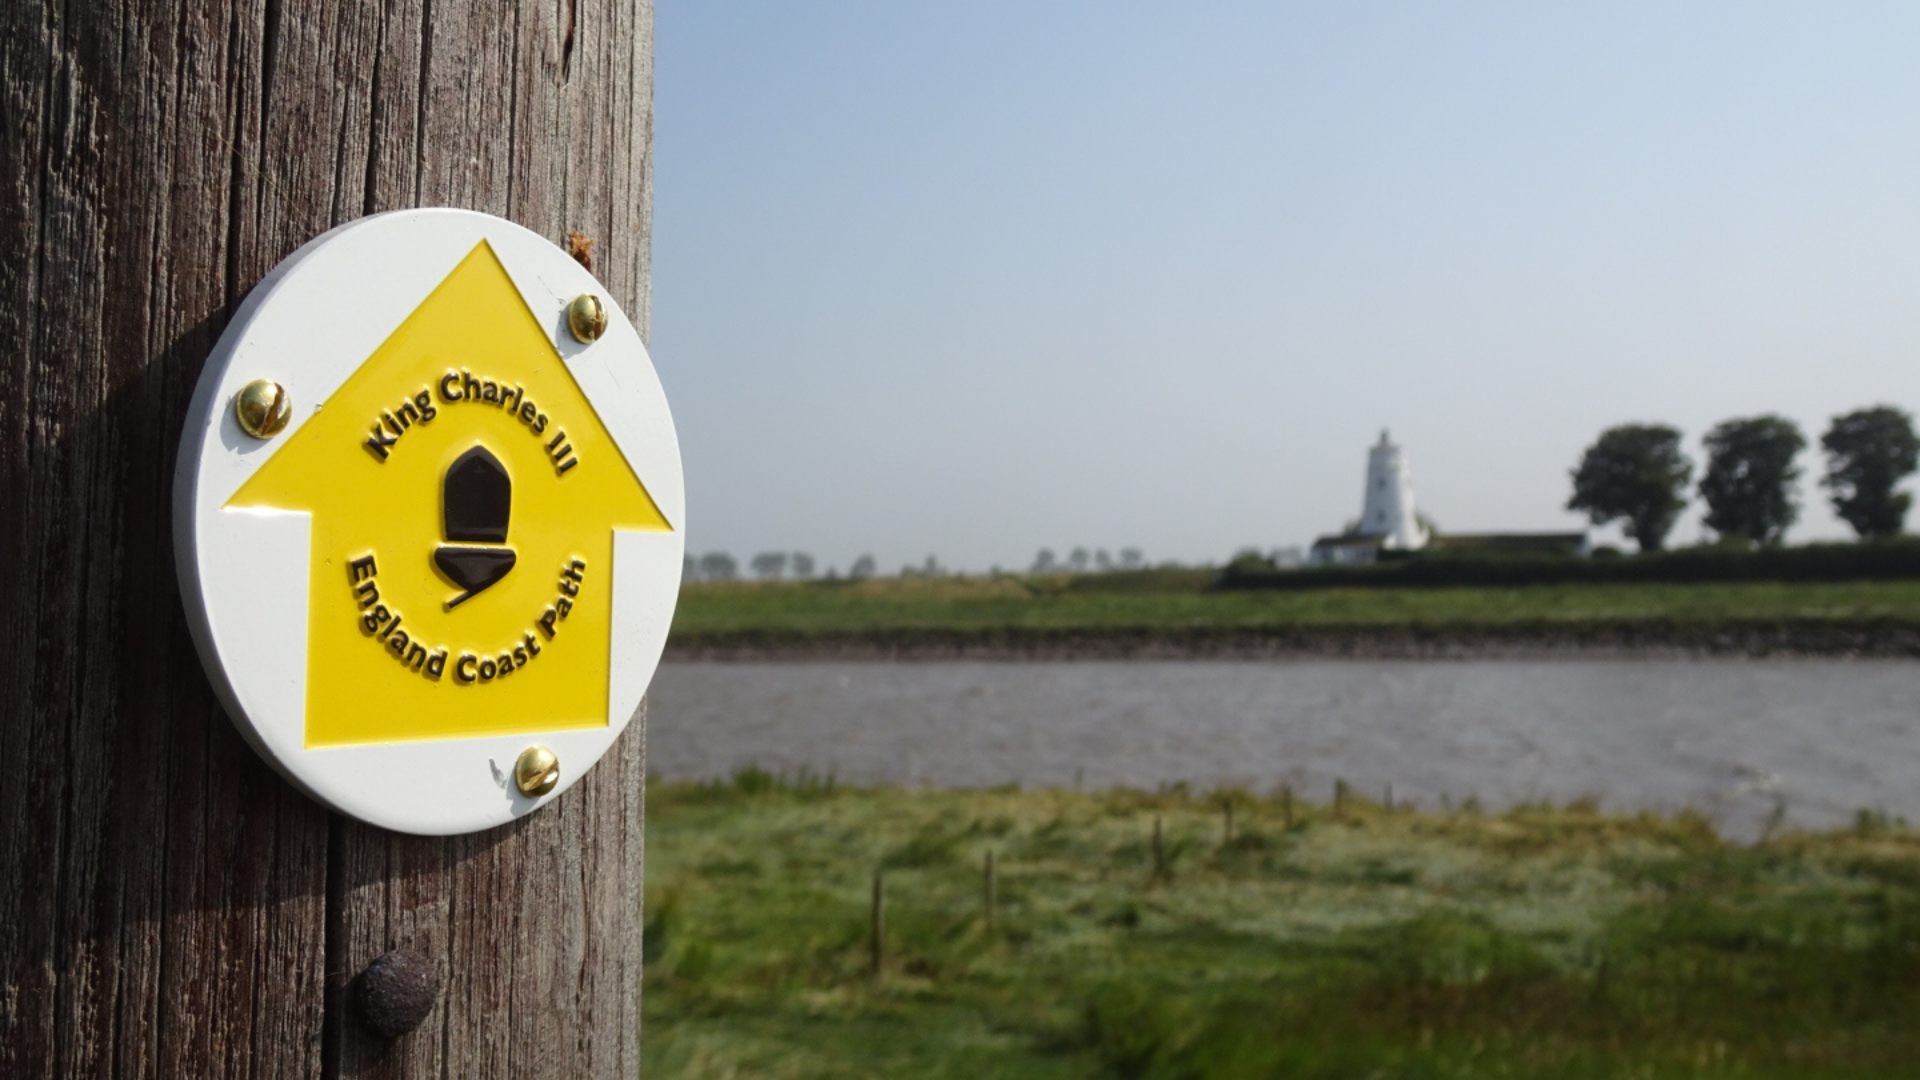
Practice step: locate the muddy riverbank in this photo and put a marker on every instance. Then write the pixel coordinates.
(1648, 639)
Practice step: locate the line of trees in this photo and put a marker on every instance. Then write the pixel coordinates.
(1080, 561)
(1637, 474)
(767, 566)
(800, 566)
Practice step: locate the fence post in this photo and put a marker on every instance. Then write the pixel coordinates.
(990, 888)
(1159, 851)
(172, 907)
(877, 919)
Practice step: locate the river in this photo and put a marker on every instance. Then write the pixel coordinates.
(1744, 741)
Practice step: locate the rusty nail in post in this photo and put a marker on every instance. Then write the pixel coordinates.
(396, 993)
(587, 318)
(263, 408)
(537, 771)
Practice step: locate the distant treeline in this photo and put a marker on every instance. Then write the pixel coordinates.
(794, 566)
(800, 566)
(1885, 559)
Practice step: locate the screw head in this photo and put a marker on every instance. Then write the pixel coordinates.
(587, 318)
(263, 408)
(537, 771)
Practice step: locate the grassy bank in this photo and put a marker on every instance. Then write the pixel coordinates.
(1015, 609)
(1356, 941)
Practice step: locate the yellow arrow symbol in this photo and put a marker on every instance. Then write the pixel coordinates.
(464, 496)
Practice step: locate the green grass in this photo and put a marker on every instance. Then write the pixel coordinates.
(1540, 942)
(1163, 601)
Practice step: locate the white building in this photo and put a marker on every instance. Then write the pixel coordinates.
(1388, 519)
(1388, 509)
(1389, 522)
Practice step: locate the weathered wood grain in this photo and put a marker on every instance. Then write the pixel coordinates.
(169, 907)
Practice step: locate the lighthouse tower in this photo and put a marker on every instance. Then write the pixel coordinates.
(1388, 512)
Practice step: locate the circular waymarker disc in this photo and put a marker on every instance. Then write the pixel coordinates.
(423, 527)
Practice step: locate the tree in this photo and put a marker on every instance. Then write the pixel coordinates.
(1077, 560)
(1043, 563)
(802, 565)
(1131, 559)
(863, 568)
(1248, 560)
(1748, 486)
(1868, 452)
(1634, 472)
(769, 565)
(1102, 561)
(690, 569)
(718, 566)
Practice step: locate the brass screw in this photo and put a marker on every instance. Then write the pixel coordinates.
(263, 408)
(587, 318)
(536, 772)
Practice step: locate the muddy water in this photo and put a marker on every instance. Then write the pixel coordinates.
(1739, 740)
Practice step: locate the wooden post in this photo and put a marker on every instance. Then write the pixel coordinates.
(877, 918)
(989, 889)
(170, 906)
(1159, 851)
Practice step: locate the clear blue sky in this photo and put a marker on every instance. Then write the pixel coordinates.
(971, 280)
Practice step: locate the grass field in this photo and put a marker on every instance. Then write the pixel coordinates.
(1161, 601)
(1320, 941)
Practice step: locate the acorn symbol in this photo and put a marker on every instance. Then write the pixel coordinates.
(476, 501)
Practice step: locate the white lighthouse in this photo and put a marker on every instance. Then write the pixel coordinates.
(1388, 510)
(1388, 522)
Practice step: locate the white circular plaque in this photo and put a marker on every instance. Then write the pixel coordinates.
(464, 543)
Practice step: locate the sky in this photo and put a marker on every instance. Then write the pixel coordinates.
(973, 280)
